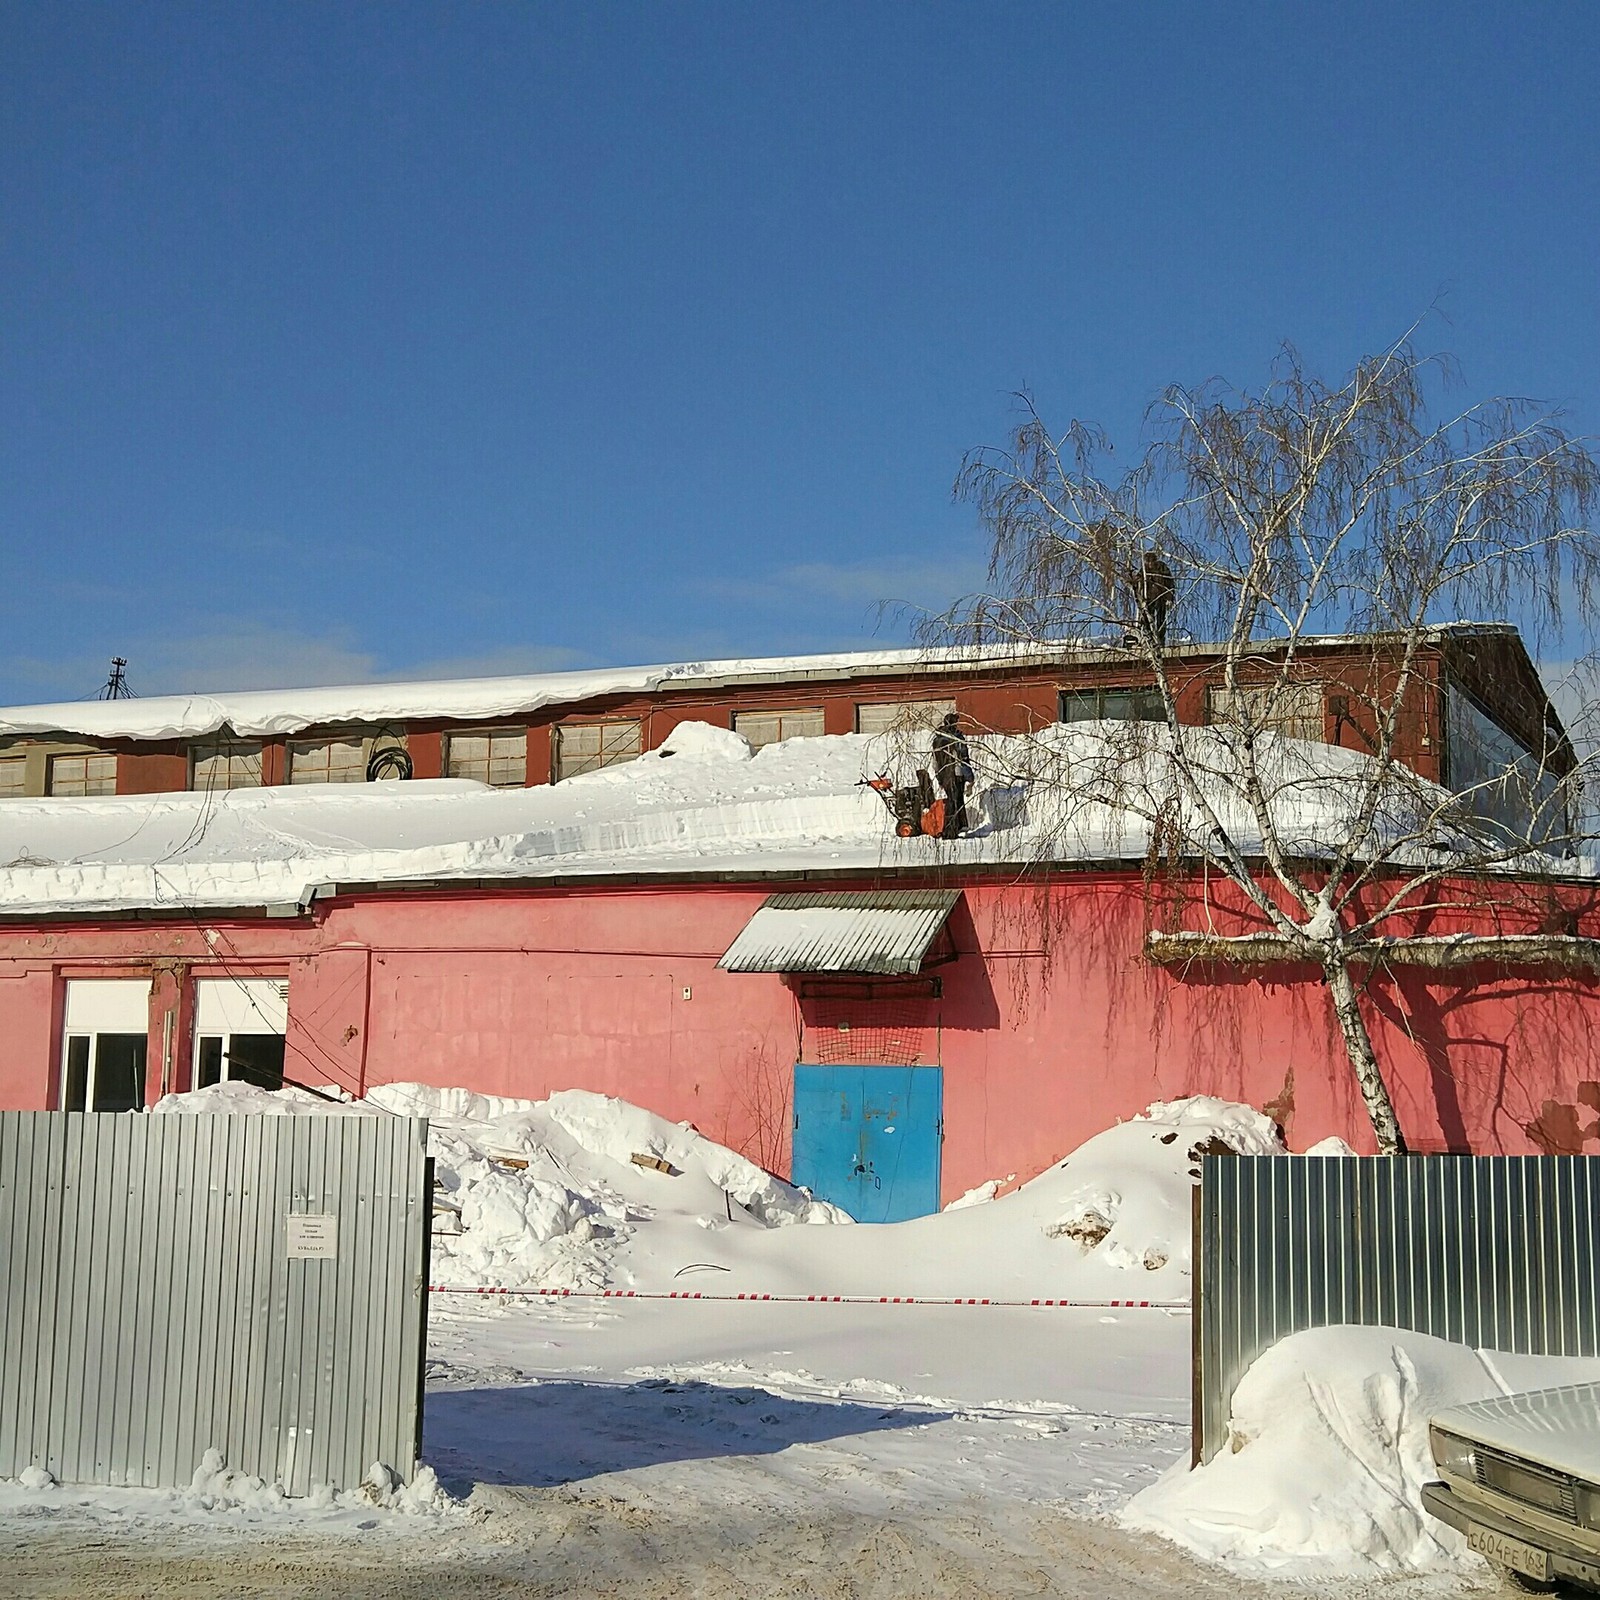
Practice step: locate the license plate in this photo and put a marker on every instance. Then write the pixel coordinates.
(1506, 1552)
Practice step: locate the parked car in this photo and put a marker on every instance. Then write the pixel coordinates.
(1520, 1477)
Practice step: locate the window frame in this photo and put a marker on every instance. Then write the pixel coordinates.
(520, 734)
(1256, 693)
(53, 760)
(105, 1003)
(230, 749)
(779, 714)
(902, 721)
(362, 742)
(1139, 694)
(10, 758)
(255, 1020)
(558, 738)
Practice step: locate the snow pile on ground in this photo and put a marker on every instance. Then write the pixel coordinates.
(1328, 1452)
(218, 1488)
(582, 1192)
(564, 1193)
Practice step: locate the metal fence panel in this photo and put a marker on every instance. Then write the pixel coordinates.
(1497, 1252)
(151, 1309)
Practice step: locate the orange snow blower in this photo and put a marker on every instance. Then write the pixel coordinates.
(912, 805)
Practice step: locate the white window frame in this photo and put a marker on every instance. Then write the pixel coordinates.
(229, 1008)
(751, 725)
(509, 761)
(104, 783)
(242, 760)
(98, 1008)
(877, 717)
(617, 741)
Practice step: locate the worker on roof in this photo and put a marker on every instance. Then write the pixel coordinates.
(1153, 590)
(952, 766)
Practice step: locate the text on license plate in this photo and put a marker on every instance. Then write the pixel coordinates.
(1506, 1552)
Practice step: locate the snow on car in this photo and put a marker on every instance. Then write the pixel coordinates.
(1519, 1476)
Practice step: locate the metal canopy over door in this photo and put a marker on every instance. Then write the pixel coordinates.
(866, 1138)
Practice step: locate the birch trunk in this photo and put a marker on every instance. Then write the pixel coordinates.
(1363, 1060)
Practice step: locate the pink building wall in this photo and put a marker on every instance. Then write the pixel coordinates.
(1048, 1029)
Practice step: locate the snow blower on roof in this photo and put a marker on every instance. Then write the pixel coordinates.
(912, 805)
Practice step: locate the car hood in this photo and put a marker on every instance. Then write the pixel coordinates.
(1558, 1428)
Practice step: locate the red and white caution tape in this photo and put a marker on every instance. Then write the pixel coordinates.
(803, 1299)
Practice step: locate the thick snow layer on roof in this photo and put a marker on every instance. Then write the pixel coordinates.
(702, 803)
(264, 713)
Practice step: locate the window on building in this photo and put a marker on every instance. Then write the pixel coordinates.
(79, 775)
(588, 746)
(13, 777)
(901, 716)
(225, 764)
(239, 1027)
(1112, 705)
(497, 756)
(772, 727)
(327, 761)
(104, 1042)
(1294, 709)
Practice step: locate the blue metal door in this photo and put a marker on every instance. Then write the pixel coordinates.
(867, 1138)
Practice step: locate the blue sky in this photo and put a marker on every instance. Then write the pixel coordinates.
(353, 340)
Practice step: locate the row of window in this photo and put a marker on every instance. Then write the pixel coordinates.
(239, 1028)
(499, 756)
(1294, 709)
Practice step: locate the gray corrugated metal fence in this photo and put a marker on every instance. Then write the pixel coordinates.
(1498, 1252)
(153, 1303)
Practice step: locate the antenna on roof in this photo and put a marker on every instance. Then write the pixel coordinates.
(116, 686)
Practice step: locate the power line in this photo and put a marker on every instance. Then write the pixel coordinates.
(116, 685)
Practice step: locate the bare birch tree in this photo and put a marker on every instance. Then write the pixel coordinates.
(1256, 528)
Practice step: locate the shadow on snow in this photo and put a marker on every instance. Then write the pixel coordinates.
(549, 1433)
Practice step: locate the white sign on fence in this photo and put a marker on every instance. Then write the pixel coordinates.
(313, 1236)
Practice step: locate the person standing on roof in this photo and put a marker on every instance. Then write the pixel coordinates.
(1153, 590)
(952, 766)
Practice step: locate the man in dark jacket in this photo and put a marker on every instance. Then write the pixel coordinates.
(952, 766)
(1153, 591)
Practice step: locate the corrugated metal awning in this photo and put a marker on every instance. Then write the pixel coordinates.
(882, 931)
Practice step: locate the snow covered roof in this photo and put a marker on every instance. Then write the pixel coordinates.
(884, 931)
(702, 805)
(267, 713)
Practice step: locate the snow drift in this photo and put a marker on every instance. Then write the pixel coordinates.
(1328, 1452)
(583, 1192)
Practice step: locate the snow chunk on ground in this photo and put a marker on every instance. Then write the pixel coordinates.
(981, 1193)
(1327, 1455)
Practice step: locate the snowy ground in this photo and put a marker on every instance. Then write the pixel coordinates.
(650, 1448)
(660, 1447)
